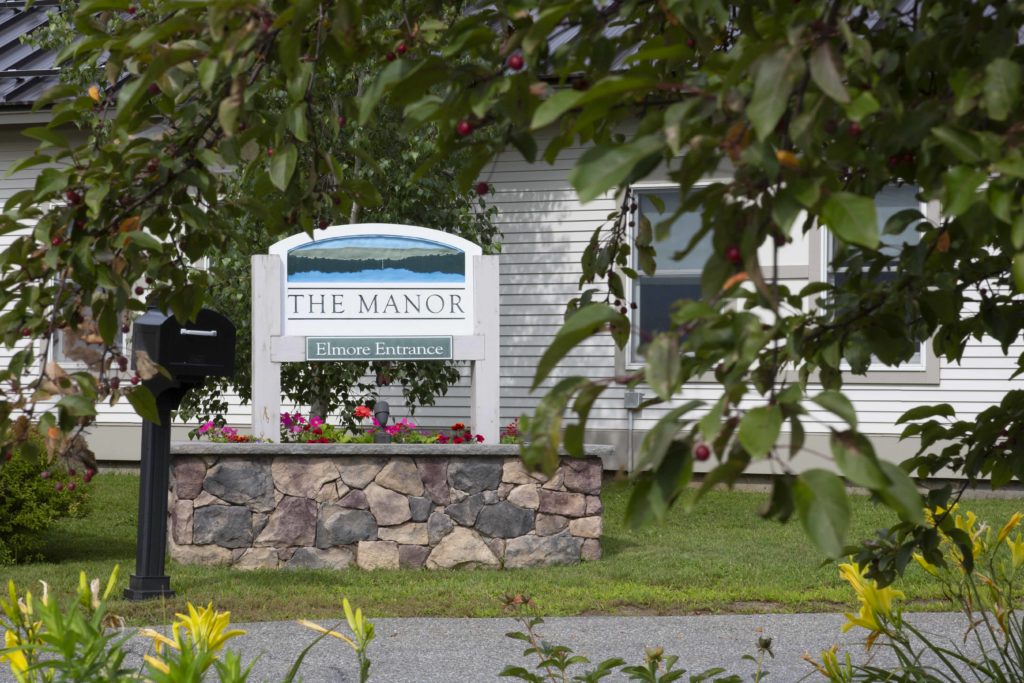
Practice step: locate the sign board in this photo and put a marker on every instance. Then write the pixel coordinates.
(375, 292)
(378, 280)
(378, 348)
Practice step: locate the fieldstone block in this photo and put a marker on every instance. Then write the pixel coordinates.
(292, 523)
(562, 503)
(504, 489)
(551, 524)
(504, 520)
(188, 477)
(474, 475)
(302, 477)
(377, 555)
(591, 550)
(259, 523)
(320, 558)
(412, 556)
(434, 475)
(204, 499)
(465, 513)
(586, 527)
(359, 471)
(242, 482)
(438, 525)
(514, 472)
(420, 508)
(354, 499)
(497, 546)
(557, 482)
(181, 521)
(199, 554)
(462, 548)
(411, 533)
(337, 525)
(388, 507)
(525, 496)
(540, 551)
(594, 505)
(229, 526)
(489, 497)
(401, 475)
(582, 476)
(257, 558)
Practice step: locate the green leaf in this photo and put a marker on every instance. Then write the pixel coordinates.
(852, 218)
(964, 145)
(144, 402)
(551, 109)
(583, 323)
(282, 166)
(1018, 271)
(826, 75)
(824, 510)
(664, 371)
(390, 75)
(961, 185)
(921, 412)
(1002, 87)
(901, 494)
(77, 405)
(47, 135)
(604, 167)
(660, 437)
(837, 403)
(759, 430)
(227, 114)
(862, 106)
(777, 75)
(857, 461)
(297, 121)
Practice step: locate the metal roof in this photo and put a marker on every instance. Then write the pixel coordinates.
(26, 72)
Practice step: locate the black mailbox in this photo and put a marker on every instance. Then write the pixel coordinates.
(189, 354)
(205, 348)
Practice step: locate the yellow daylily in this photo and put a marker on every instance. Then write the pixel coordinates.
(360, 627)
(1016, 551)
(157, 664)
(207, 627)
(15, 658)
(875, 602)
(926, 565)
(1009, 526)
(334, 634)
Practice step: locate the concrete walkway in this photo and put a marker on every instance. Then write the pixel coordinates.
(469, 650)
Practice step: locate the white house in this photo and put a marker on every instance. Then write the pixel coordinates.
(545, 230)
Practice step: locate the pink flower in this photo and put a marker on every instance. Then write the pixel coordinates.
(315, 421)
(229, 432)
(286, 419)
(479, 438)
(205, 427)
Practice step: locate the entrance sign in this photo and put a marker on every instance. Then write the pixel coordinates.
(375, 292)
(378, 348)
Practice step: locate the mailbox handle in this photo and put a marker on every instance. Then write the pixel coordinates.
(199, 333)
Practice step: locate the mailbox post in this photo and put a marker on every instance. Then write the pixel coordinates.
(189, 354)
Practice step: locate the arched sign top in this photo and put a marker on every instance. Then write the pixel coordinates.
(377, 279)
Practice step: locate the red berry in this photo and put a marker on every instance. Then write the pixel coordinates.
(691, 43)
(402, 48)
(464, 128)
(855, 130)
(702, 452)
(324, 223)
(342, 121)
(56, 241)
(90, 472)
(136, 379)
(515, 62)
(71, 486)
(59, 486)
(126, 328)
(115, 382)
(153, 89)
(131, 10)
(482, 188)
(122, 363)
(733, 255)
(270, 151)
(72, 197)
(390, 56)
(623, 310)
(633, 305)
(140, 291)
(45, 474)
(25, 332)
(87, 478)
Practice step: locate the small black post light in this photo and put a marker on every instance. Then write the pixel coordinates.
(382, 411)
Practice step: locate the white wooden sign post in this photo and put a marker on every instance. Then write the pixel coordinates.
(375, 292)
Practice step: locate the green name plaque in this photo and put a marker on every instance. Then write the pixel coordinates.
(378, 348)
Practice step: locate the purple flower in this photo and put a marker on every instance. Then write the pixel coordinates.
(205, 427)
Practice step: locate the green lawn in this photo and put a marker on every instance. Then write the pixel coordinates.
(719, 558)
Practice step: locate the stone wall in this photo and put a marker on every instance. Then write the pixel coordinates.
(379, 506)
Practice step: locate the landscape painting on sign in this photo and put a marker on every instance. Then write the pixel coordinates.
(377, 259)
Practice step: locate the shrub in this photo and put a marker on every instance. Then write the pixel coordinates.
(33, 495)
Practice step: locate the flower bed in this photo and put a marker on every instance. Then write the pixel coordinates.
(335, 505)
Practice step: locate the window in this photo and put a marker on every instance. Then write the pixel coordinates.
(888, 203)
(672, 280)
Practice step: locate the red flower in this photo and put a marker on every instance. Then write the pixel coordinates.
(362, 412)
(479, 438)
(458, 427)
(457, 439)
